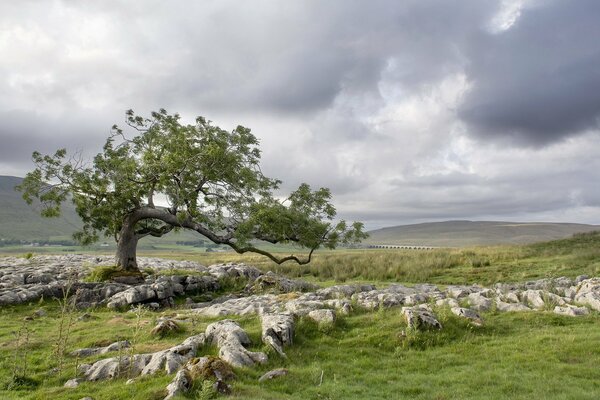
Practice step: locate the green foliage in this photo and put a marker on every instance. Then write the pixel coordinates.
(210, 177)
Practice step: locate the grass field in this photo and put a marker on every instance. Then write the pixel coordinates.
(514, 355)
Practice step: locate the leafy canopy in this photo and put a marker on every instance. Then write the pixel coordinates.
(209, 178)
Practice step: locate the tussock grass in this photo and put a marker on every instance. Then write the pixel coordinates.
(484, 265)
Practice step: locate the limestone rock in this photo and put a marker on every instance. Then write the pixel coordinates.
(169, 360)
(534, 298)
(116, 346)
(275, 373)
(277, 330)
(479, 302)
(469, 314)
(72, 383)
(273, 283)
(323, 317)
(571, 310)
(420, 317)
(231, 339)
(165, 327)
(450, 302)
(511, 307)
(180, 384)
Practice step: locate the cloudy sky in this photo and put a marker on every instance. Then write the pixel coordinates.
(409, 111)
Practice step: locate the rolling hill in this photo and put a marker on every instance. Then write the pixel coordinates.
(472, 233)
(19, 221)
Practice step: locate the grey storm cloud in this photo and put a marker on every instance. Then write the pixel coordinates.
(538, 81)
(408, 111)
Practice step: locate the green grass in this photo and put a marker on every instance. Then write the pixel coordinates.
(483, 265)
(517, 356)
(365, 355)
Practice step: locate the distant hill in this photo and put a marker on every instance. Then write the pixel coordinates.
(20, 221)
(472, 233)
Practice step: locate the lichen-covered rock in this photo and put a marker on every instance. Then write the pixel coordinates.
(165, 327)
(449, 302)
(231, 270)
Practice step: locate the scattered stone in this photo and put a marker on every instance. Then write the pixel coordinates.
(420, 317)
(324, 317)
(511, 307)
(116, 346)
(72, 383)
(469, 314)
(276, 373)
(450, 302)
(165, 327)
(278, 330)
(40, 313)
(571, 310)
(479, 302)
(533, 298)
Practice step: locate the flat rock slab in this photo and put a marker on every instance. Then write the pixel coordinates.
(275, 373)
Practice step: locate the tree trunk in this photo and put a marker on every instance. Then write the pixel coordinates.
(127, 247)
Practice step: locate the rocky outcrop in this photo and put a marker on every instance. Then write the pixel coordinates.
(169, 360)
(231, 340)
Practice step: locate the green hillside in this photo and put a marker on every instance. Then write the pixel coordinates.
(472, 233)
(20, 221)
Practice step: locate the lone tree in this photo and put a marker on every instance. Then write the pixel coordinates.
(209, 179)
